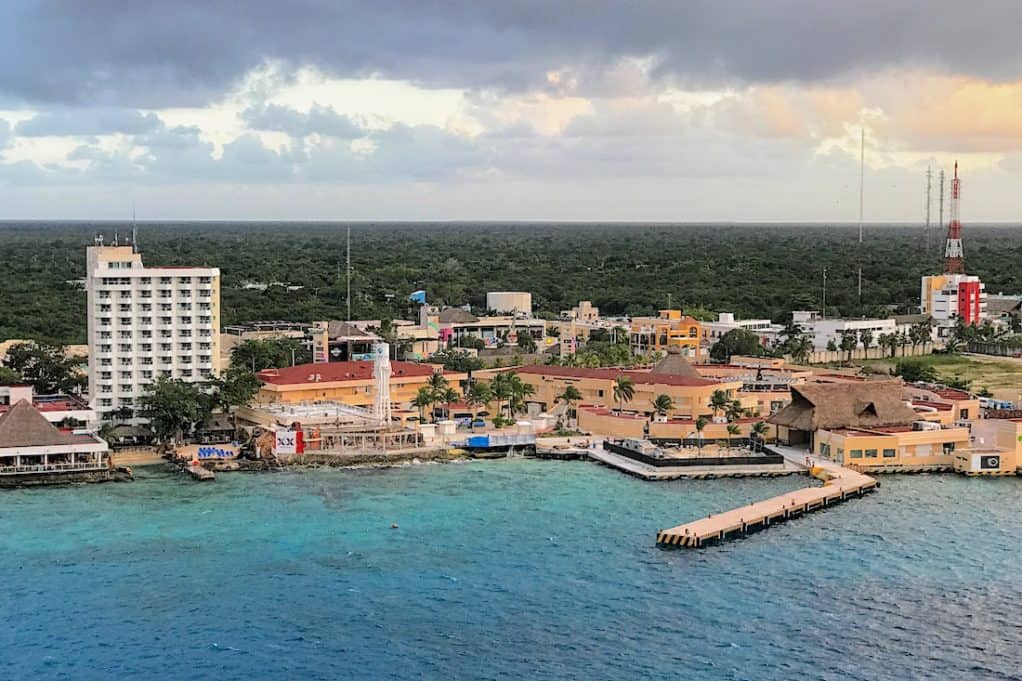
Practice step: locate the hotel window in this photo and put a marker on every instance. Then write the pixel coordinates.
(145, 280)
(185, 280)
(124, 347)
(854, 453)
(105, 335)
(147, 374)
(186, 373)
(106, 362)
(963, 414)
(106, 375)
(890, 453)
(125, 387)
(106, 403)
(164, 280)
(205, 280)
(871, 454)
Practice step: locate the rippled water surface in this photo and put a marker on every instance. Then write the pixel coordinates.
(516, 569)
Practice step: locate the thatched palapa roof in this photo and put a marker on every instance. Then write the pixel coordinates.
(827, 406)
(675, 364)
(24, 426)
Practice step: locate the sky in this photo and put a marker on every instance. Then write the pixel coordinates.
(644, 110)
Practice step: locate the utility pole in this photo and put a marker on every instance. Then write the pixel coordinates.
(823, 312)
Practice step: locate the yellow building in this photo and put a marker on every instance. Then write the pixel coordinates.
(690, 394)
(892, 448)
(872, 427)
(671, 328)
(350, 383)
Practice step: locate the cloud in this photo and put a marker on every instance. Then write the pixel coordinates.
(319, 120)
(177, 54)
(75, 122)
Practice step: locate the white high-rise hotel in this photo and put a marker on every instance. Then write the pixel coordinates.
(145, 322)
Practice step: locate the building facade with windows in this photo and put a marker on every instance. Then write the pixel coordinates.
(145, 322)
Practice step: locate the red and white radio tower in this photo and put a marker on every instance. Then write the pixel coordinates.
(954, 257)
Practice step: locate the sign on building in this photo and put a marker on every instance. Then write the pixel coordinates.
(289, 442)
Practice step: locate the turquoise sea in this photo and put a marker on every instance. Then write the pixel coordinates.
(503, 570)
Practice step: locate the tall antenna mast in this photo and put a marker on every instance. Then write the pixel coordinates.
(929, 177)
(348, 273)
(941, 207)
(134, 230)
(954, 257)
(862, 175)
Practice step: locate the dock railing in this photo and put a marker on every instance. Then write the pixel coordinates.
(756, 459)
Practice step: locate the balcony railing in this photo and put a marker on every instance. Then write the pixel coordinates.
(52, 468)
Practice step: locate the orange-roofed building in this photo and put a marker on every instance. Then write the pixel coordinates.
(350, 383)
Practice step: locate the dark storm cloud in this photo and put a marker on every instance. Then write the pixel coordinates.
(187, 52)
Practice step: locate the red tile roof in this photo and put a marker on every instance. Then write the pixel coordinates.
(952, 394)
(939, 406)
(63, 403)
(335, 372)
(642, 377)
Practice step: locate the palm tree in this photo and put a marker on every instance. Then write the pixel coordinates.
(848, 343)
(437, 382)
(719, 401)
(447, 397)
(519, 391)
(422, 400)
(732, 430)
(624, 391)
(478, 395)
(759, 431)
(866, 338)
(700, 426)
(502, 389)
(799, 348)
(663, 404)
(734, 410)
(570, 394)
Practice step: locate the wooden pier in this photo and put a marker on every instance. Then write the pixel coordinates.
(839, 484)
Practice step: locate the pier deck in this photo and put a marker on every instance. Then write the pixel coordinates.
(839, 484)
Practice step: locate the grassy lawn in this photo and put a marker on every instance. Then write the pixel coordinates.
(1000, 375)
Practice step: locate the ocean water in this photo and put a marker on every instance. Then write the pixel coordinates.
(503, 570)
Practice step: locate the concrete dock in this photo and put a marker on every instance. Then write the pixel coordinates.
(647, 472)
(839, 484)
(200, 473)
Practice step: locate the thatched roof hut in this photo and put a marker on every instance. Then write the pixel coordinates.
(827, 406)
(675, 364)
(24, 426)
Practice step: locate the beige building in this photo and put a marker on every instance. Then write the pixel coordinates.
(145, 322)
